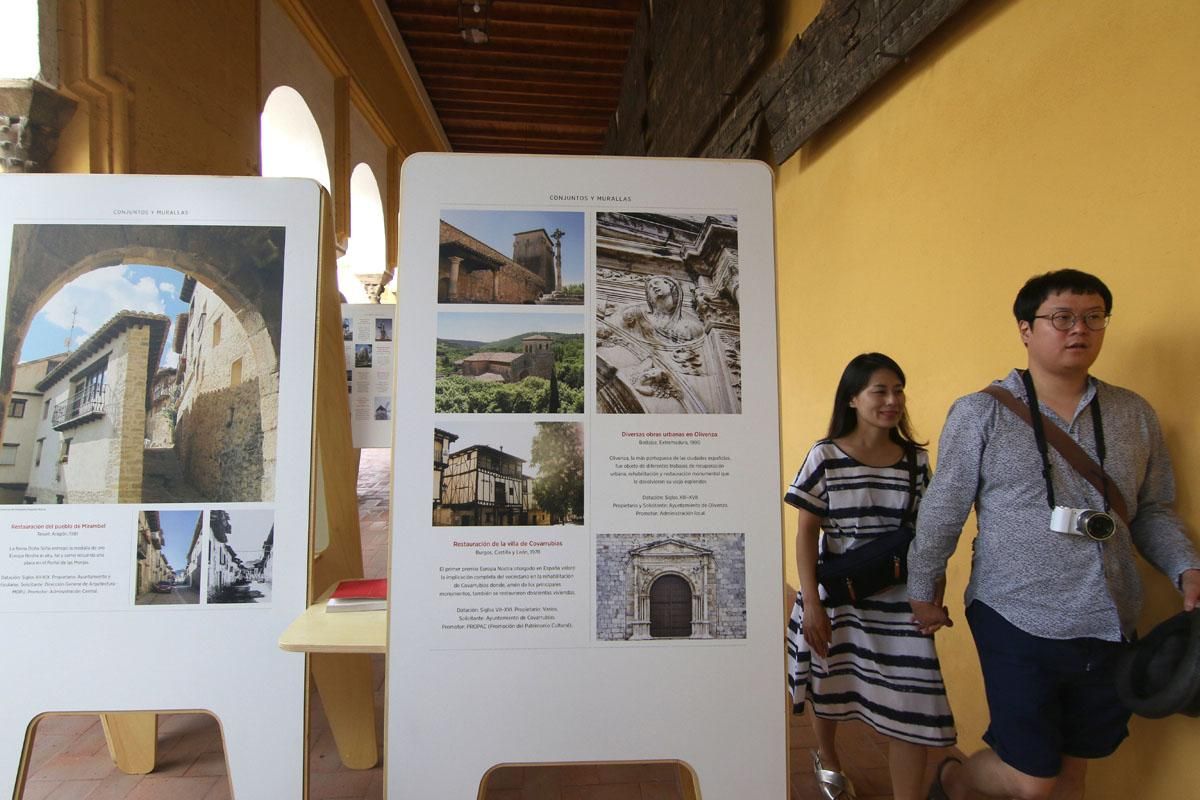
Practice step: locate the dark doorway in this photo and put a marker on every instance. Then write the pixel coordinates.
(670, 607)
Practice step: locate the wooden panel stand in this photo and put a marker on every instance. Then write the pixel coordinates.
(344, 683)
(131, 737)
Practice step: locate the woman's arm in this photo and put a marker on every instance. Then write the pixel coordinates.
(817, 631)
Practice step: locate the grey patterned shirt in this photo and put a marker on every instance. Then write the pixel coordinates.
(1049, 584)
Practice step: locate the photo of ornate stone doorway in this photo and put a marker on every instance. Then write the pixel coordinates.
(670, 607)
(684, 586)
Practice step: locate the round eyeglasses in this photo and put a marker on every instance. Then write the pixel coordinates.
(1065, 320)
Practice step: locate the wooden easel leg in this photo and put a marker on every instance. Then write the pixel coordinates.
(344, 681)
(132, 739)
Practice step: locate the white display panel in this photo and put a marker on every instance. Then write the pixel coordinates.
(369, 338)
(159, 339)
(589, 347)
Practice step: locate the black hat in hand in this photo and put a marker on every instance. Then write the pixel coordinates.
(1160, 674)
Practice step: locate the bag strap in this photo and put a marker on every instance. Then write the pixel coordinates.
(910, 461)
(1069, 449)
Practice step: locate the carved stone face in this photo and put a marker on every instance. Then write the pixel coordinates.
(662, 293)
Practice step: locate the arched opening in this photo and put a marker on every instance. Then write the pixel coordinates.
(121, 421)
(361, 269)
(292, 146)
(670, 607)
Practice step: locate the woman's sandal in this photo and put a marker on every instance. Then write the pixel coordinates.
(834, 785)
(937, 791)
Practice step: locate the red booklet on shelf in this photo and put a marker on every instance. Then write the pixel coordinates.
(363, 594)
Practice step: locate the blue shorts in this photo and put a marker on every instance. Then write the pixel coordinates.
(1048, 698)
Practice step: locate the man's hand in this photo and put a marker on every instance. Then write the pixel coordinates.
(930, 617)
(1189, 582)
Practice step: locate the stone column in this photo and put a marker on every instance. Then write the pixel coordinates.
(455, 261)
(495, 282)
(557, 237)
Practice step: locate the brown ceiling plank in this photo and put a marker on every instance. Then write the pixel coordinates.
(476, 58)
(460, 125)
(490, 73)
(533, 114)
(524, 101)
(518, 88)
(554, 13)
(442, 41)
(540, 139)
(499, 29)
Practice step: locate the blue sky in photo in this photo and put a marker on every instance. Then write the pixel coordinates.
(178, 527)
(495, 228)
(490, 326)
(94, 298)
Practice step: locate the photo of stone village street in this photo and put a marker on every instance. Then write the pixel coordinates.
(138, 380)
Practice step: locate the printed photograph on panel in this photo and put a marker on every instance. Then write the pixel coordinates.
(669, 587)
(509, 363)
(383, 329)
(141, 364)
(668, 325)
(239, 555)
(508, 473)
(169, 549)
(514, 257)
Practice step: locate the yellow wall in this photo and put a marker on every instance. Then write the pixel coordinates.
(1024, 136)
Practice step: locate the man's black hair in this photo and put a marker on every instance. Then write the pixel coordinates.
(1039, 287)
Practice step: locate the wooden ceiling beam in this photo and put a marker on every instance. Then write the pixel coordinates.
(419, 42)
(517, 89)
(541, 142)
(484, 98)
(547, 80)
(533, 113)
(576, 14)
(445, 69)
(498, 30)
(465, 126)
(477, 58)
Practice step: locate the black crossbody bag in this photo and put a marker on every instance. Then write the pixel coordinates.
(882, 562)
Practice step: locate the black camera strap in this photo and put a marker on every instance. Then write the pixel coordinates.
(1037, 422)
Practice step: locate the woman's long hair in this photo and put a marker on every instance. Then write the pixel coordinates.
(854, 379)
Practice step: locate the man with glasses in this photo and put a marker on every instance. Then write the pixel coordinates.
(1054, 590)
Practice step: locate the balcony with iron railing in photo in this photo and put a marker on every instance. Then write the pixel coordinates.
(82, 406)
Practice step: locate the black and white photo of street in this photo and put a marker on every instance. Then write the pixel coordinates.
(239, 555)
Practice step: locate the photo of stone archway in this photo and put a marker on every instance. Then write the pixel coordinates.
(668, 314)
(670, 587)
(145, 359)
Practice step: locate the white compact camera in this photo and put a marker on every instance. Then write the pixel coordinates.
(1098, 525)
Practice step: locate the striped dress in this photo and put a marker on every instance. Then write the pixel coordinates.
(879, 669)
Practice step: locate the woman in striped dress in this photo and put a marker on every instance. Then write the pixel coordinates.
(865, 660)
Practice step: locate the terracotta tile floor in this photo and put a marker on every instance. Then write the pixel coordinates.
(70, 761)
